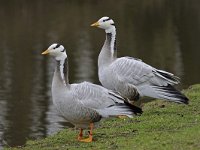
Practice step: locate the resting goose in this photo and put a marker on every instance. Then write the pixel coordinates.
(83, 104)
(125, 74)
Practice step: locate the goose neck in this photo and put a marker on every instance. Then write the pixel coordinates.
(111, 39)
(62, 70)
(108, 52)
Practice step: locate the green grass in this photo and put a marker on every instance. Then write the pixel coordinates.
(163, 125)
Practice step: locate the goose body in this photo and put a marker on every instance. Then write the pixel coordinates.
(83, 104)
(129, 75)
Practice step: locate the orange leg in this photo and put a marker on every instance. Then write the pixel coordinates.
(80, 134)
(89, 139)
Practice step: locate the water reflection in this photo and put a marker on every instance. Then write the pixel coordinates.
(83, 58)
(164, 34)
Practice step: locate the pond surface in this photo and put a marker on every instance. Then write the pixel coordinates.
(165, 34)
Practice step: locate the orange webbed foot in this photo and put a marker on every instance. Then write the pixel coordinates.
(87, 140)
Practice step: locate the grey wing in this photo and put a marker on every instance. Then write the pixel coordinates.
(95, 96)
(138, 73)
(105, 102)
(148, 81)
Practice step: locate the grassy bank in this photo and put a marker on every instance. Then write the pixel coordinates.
(163, 125)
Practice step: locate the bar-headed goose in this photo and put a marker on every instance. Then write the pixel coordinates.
(125, 74)
(83, 104)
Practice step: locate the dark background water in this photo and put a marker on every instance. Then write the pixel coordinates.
(163, 33)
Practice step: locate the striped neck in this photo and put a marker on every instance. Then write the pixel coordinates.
(108, 52)
(62, 69)
(111, 39)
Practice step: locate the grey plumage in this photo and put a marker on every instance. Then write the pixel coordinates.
(129, 75)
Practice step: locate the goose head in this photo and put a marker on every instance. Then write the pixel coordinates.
(57, 51)
(104, 23)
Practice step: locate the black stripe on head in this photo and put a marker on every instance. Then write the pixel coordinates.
(63, 50)
(58, 45)
(106, 20)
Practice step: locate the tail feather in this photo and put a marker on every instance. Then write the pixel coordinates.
(120, 109)
(170, 93)
(163, 92)
(128, 108)
(136, 110)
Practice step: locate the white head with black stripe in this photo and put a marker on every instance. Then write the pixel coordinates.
(56, 50)
(105, 23)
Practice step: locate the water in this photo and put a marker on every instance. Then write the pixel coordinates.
(165, 34)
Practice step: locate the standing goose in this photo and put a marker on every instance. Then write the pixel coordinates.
(125, 74)
(83, 104)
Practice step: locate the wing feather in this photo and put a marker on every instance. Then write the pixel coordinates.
(95, 96)
(138, 73)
